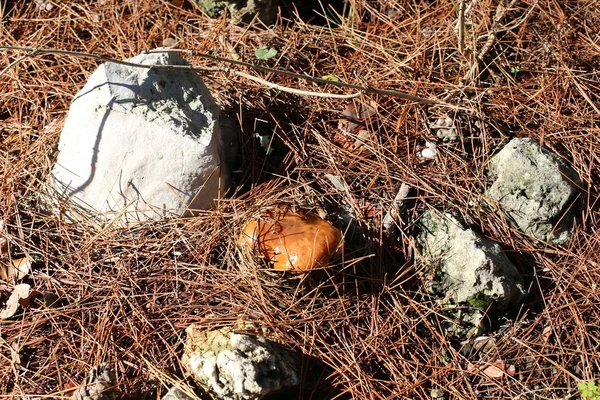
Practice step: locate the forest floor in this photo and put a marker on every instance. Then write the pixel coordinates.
(367, 328)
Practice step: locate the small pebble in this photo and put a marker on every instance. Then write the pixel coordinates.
(429, 152)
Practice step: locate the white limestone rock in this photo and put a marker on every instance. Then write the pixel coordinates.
(144, 141)
(534, 187)
(234, 366)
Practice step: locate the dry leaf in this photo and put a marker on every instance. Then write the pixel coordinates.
(511, 370)
(3, 246)
(5, 272)
(22, 267)
(354, 142)
(484, 344)
(16, 269)
(49, 298)
(70, 389)
(350, 120)
(355, 116)
(170, 42)
(4, 269)
(497, 369)
(19, 296)
(23, 296)
(343, 140)
(546, 333)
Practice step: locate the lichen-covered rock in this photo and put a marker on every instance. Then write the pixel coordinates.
(141, 141)
(469, 268)
(534, 187)
(466, 268)
(241, 10)
(237, 366)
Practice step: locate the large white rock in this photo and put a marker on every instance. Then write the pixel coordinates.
(144, 141)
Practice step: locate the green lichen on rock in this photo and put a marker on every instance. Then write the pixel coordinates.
(211, 7)
(478, 301)
(534, 187)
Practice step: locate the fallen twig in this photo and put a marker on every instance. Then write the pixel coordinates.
(393, 216)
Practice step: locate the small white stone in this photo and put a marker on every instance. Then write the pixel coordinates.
(177, 394)
(265, 142)
(429, 152)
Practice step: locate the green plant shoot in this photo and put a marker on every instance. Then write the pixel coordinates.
(589, 390)
(265, 52)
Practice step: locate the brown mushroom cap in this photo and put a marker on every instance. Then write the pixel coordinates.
(293, 241)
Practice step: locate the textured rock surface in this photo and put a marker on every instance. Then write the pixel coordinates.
(469, 269)
(534, 187)
(176, 394)
(237, 366)
(141, 140)
(241, 10)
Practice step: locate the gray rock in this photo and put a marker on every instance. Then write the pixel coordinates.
(143, 141)
(176, 394)
(438, 394)
(241, 10)
(466, 268)
(237, 366)
(534, 187)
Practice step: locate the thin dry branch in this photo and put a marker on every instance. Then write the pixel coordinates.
(364, 89)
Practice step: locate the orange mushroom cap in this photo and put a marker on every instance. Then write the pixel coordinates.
(293, 241)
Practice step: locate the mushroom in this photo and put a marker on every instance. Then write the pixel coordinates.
(293, 240)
